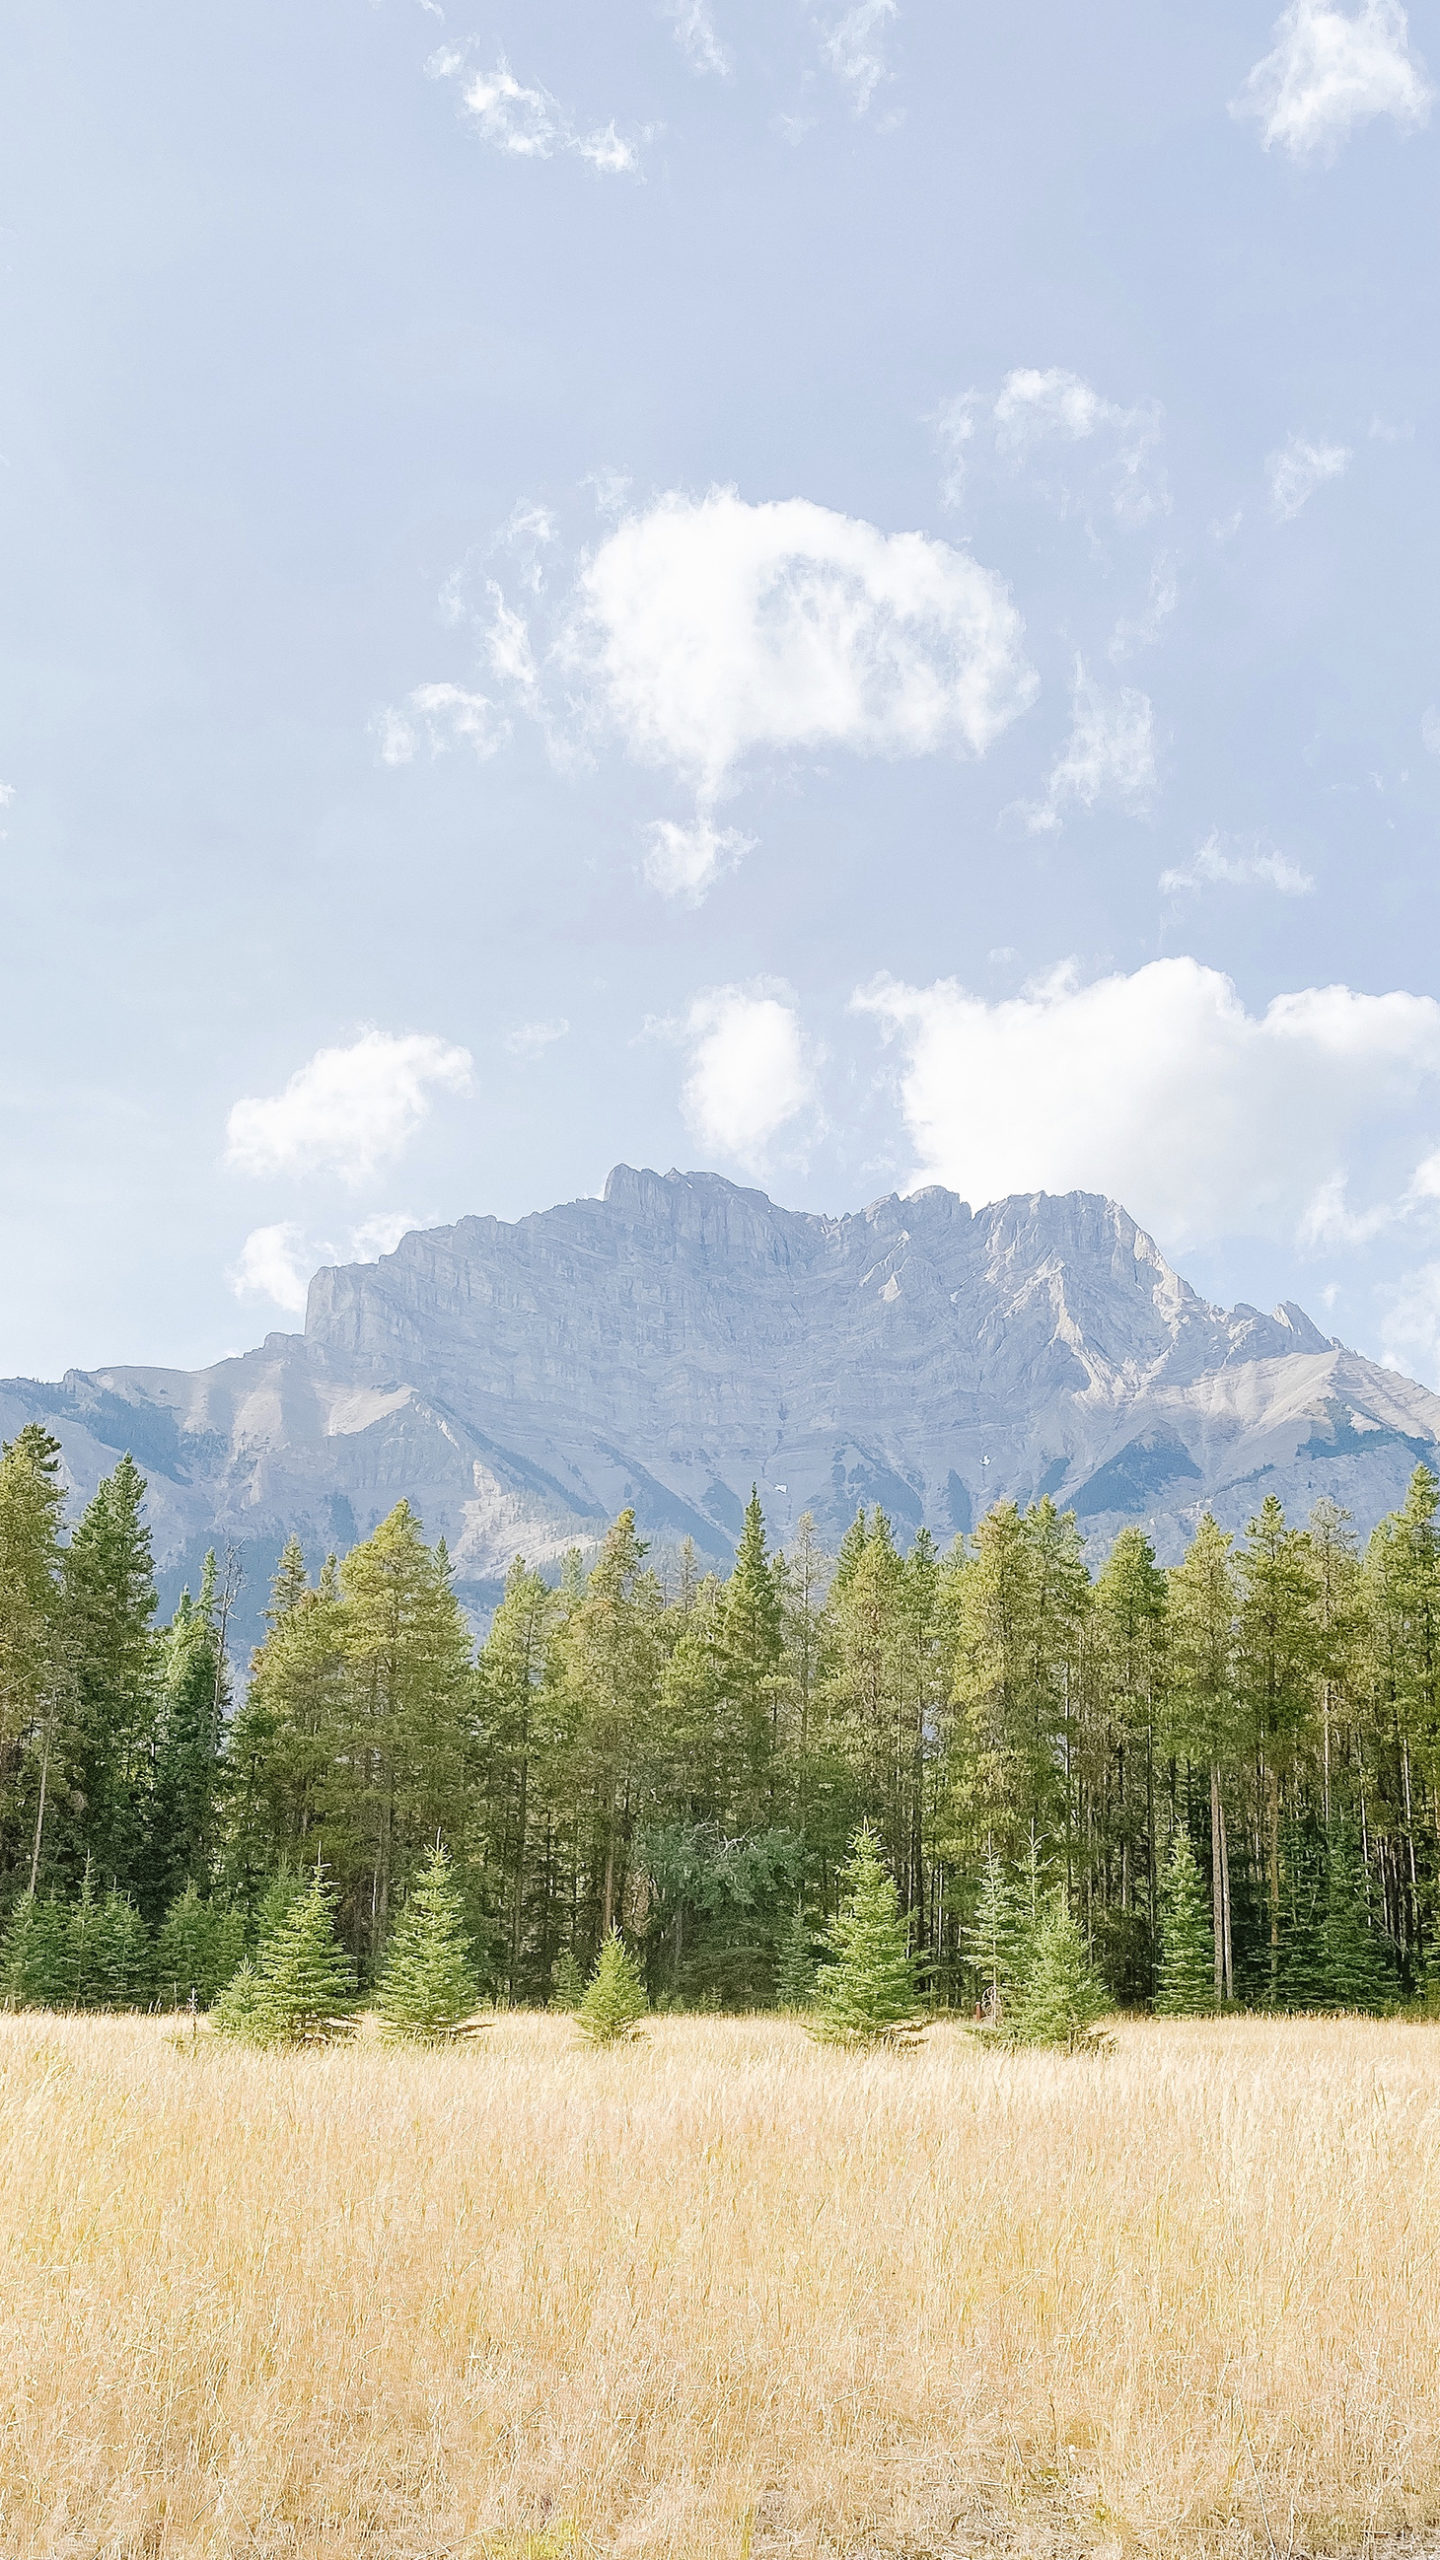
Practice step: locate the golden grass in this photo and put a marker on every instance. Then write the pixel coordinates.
(720, 2293)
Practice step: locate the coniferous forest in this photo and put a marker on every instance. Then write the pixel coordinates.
(1222, 1780)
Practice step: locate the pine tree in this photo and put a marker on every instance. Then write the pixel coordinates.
(867, 1992)
(302, 1989)
(1060, 1995)
(1186, 1984)
(120, 1954)
(567, 1982)
(184, 1828)
(83, 1941)
(615, 2001)
(32, 1668)
(427, 1983)
(32, 1955)
(198, 1947)
(108, 1590)
(995, 1937)
(1354, 1958)
(796, 1968)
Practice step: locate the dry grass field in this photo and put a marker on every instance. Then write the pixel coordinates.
(720, 2294)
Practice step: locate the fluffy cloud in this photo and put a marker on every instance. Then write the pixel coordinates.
(532, 1039)
(1108, 756)
(696, 37)
(1263, 868)
(528, 124)
(1299, 469)
(1163, 1090)
(684, 861)
(449, 717)
(347, 1110)
(1035, 409)
(750, 1071)
(852, 43)
(709, 630)
(274, 1263)
(1331, 70)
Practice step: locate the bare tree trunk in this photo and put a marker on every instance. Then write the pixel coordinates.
(40, 1808)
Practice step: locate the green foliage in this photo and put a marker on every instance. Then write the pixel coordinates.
(32, 1955)
(199, 1946)
(614, 2003)
(427, 1984)
(867, 1992)
(995, 1939)
(1059, 1996)
(567, 1982)
(301, 1986)
(797, 1965)
(1358, 1971)
(1185, 1985)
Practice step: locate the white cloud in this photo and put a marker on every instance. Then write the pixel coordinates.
(708, 630)
(528, 124)
(347, 1110)
(1263, 868)
(274, 1263)
(1410, 1327)
(685, 861)
(852, 43)
(1162, 1090)
(1299, 469)
(532, 1039)
(1034, 409)
(1108, 756)
(750, 1071)
(449, 717)
(381, 1232)
(696, 37)
(1332, 69)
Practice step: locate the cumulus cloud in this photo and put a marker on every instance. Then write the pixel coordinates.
(1264, 867)
(1330, 70)
(852, 42)
(347, 1111)
(274, 1263)
(684, 861)
(751, 1072)
(1109, 756)
(528, 124)
(447, 716)
(709, 630)
(1164, 1091)
(1037, 409)
(1299, 469)
(696, 37)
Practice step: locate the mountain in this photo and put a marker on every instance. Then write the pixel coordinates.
(680, 1338)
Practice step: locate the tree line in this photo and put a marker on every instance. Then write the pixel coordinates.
(688, 1756)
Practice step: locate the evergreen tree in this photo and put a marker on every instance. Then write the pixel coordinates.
(567, 1982)
(427, 1983)
(614, 2003)
(184, 1815)
(302, 1988)
(120, 1955)
(867, 1993)
(32, 1955)
(797, 1966)
(1186, 1984)
(1060, 1995)
(32, 1666)
(995, 1938)
(1203, 1723)
(108, 1591)
(198, 1947)
(1355, 1961)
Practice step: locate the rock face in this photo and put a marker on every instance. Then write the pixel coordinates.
(681, 1338)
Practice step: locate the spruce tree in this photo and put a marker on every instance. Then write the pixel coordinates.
(302, 1989)
(198, 1947)
(1060, 1995)
(32, 1955)
(184, 1827)
(1354, 1958)
(567, 1982)
(120, 1955)
(995, 1937)
(867, 1992)
(615, 2000)
(108, 1585)
(1185, 1986)
(427, 1984)
(83, 1944)
(32, 1669)
(796, 1967)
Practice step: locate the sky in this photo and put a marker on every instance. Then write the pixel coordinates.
(841, 591)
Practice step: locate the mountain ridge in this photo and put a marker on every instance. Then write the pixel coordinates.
(682, 1336)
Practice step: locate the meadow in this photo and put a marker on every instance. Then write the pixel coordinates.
(720, 2292)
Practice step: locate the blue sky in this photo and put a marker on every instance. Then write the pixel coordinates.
(841, 592)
